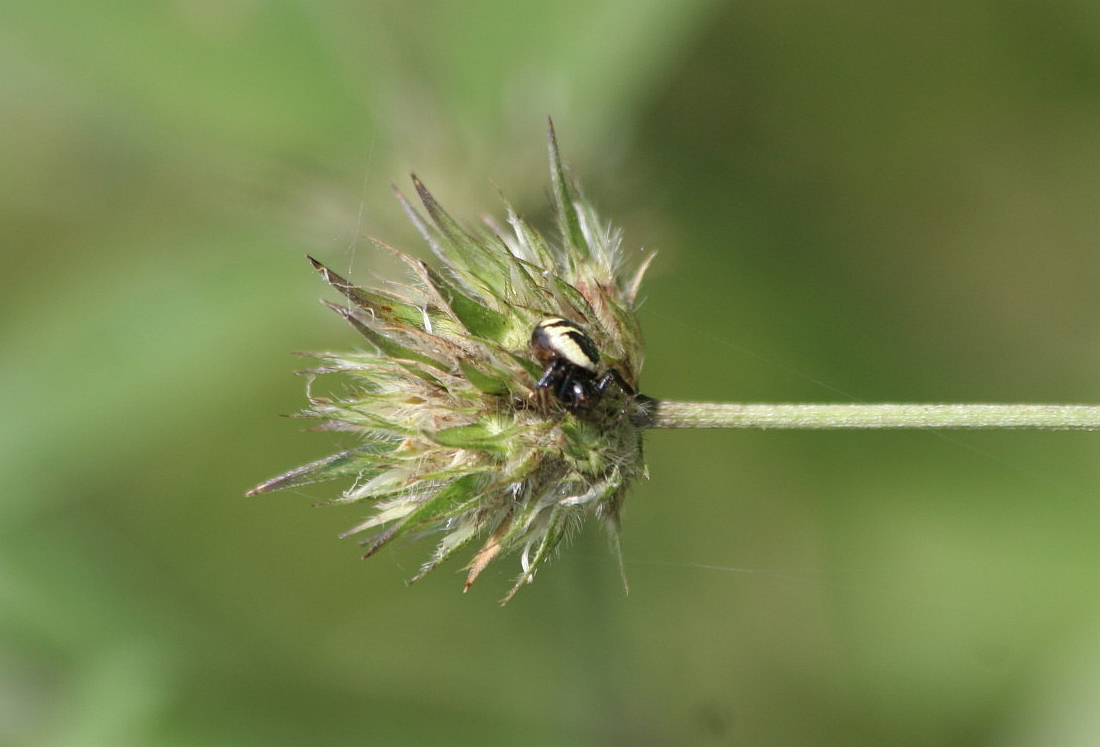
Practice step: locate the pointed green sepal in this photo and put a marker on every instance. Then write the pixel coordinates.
(459, 490)
(476, 436)
(477, 318)
(487, 383)
(385, 345)
(565, 198)
(344, 464)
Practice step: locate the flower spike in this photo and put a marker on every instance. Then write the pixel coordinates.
(467, 429)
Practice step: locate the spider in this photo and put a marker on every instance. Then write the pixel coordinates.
(572, 365)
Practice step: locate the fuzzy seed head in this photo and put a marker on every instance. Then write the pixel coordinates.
(454, 436)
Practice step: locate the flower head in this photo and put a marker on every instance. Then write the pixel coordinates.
(468, 428)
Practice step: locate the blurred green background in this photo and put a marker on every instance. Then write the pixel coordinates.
(852, 201)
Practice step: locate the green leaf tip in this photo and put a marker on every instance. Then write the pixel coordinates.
(564, 198)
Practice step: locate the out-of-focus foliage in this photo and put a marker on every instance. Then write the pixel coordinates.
(851, 200)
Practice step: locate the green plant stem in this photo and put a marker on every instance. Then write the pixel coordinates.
(670, 414)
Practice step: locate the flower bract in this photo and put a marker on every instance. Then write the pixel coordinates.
(452, 436)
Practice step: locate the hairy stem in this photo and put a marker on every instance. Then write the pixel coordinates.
(670, 414)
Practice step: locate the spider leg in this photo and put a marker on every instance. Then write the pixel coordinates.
(552, 375)
(564, 388)
(614, 375)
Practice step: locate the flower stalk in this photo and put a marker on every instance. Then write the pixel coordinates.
(671, 414)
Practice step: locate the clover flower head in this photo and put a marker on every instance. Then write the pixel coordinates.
(454, 436)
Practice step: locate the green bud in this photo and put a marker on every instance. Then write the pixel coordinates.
(456, 437)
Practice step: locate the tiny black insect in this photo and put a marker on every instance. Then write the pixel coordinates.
(572, 363)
